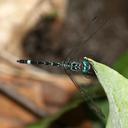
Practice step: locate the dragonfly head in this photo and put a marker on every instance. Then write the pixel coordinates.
(85, 66)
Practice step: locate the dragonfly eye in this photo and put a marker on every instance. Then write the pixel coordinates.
(86, 66)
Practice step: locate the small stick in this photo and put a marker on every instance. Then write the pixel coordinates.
(22, 101)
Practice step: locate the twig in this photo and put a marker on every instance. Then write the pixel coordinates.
(11, 93)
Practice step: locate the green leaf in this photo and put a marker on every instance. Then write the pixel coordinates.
(122, 64)
(116, 89)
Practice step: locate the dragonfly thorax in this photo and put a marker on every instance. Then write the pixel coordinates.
(73, 66)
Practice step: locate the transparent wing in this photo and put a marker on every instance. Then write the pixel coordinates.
(78, 51)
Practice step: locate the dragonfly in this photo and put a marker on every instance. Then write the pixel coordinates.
(76, 66)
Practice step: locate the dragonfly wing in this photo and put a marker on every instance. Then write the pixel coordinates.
(78, 51)
(87, 98)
